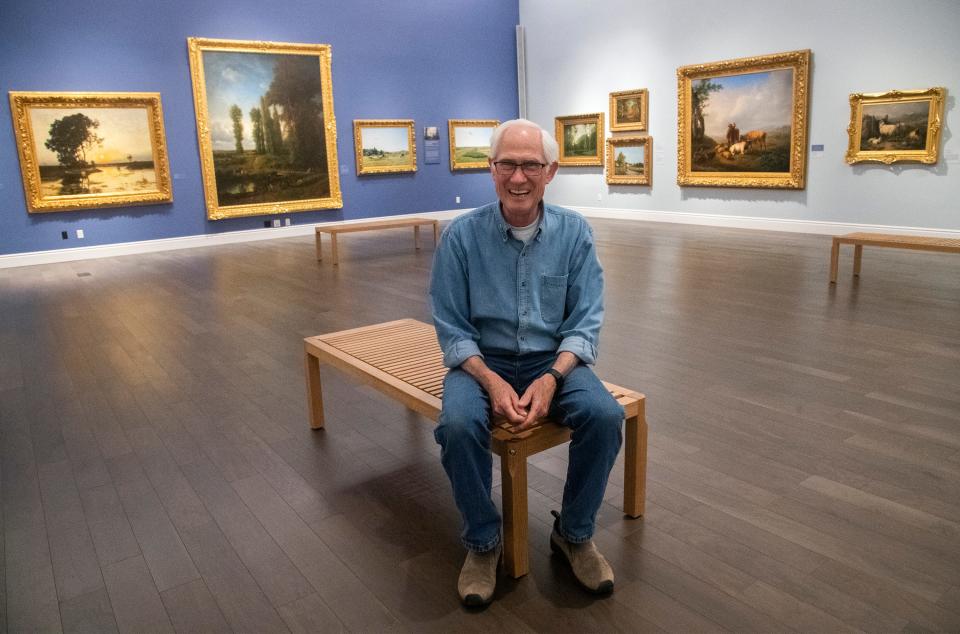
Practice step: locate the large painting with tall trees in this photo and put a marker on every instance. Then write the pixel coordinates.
(90, 150)
(265, 124)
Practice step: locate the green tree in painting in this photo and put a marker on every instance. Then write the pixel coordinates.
(71, 137)
(295, 91)
(258, 136)
(621, 163)
(236, 115)
(700, 95)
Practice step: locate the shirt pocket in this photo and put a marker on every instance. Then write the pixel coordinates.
(553, 297)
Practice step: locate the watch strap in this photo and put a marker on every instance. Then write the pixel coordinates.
(557, 376)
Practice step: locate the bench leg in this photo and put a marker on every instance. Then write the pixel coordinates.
(333, 249)
(857, 256)
(834, 260)
(635, 465)
(319, 250)
(314, 392)
(416, 237)
(513, 467)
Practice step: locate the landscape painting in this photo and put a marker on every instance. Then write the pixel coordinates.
(265, 125)
(384, 146)
(91, 150)
(742, 122)
(628, 160)
(579, 139)
(895, 126)
(628, 110)
(470, 142)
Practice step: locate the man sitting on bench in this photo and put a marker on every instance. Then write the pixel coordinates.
(517, 298)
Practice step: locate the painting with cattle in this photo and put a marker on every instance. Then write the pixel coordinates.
(895, 126)
(742, 122)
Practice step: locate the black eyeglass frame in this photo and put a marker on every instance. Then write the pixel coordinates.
(526, 166)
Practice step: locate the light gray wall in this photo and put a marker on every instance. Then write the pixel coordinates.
(579, 52)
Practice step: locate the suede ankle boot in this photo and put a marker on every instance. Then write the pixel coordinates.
(589, 566)
(478, 577)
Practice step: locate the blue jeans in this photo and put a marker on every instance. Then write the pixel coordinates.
(463, 432)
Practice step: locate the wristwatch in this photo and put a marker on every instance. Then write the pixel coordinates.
(557, 376)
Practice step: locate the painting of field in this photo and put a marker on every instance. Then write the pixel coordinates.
(266, 122)
(93, 151)
(629, 161)
(742, 123)
(580, 139)
(472, 144)
(385, 147)
(898, 125)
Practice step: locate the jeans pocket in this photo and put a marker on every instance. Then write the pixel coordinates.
(553, 296)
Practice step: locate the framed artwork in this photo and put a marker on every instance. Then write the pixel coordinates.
(628, 110)
(899, 125)
(384, 146)
(743, 122)
(265, 126)
(579, 138)
(629, 160)
(90, 150)
(470, 142)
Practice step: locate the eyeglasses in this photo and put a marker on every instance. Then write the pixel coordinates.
(530, 168)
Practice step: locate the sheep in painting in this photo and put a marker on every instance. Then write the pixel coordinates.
(738, 148)
(875, 141)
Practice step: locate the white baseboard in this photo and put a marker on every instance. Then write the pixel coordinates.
(186, 242)
(232, 237)
(766, 224)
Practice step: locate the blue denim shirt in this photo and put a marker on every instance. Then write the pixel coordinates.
(492, 293)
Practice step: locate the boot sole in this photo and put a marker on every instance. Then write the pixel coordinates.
(605, 587)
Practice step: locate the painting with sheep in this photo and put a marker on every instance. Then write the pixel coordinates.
(894, 126)
(741, 122)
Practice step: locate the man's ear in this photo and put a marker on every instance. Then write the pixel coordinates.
(552, 171)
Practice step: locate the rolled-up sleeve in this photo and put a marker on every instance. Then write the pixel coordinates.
(580, 330)
(450, 302)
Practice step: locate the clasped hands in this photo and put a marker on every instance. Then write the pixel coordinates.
(521, 411)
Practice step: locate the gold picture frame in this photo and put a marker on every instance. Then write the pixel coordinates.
(470, 147)
(896, 126)
(281, 94)
(384, 146)
(628, 110)
(771, 149)
(90, 150)
(629, 160)
(580, 139)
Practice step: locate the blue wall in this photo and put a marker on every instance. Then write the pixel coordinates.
(427, 60)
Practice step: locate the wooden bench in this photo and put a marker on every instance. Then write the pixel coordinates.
(859, 240)
(373, 225)
(403, 360)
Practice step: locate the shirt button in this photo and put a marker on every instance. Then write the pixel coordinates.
(523, 283)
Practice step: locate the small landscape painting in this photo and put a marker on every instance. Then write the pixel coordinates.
(628, 160)
(470, 142)
(579, 139)
(628, 110)
(92, 150)
(384, 146)
(895, 126)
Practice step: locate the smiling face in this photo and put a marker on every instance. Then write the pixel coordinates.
(519, 194)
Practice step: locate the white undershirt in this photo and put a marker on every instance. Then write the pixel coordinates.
(523, 234)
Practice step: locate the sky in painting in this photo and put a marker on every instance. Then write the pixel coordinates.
(234, 79)
(633, 154)
(897, 111)
(472, 137)
(123, 130)
(754, 101)
(385, 139)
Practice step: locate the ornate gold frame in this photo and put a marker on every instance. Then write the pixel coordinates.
(929, 155)
(618, 141)
(452, 124)
(360, 124)
(22, 102)
(322, 52)
(573, 119)
(615, 126)
(799, 61)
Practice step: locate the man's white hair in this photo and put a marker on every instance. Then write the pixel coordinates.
(551, 151)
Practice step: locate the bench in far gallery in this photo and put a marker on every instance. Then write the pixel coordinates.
(402, 359)
(373, 225)
(890, 241)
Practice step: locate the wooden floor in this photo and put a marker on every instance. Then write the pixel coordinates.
(158, 472)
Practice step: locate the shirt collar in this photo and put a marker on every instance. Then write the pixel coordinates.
(504, 228)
